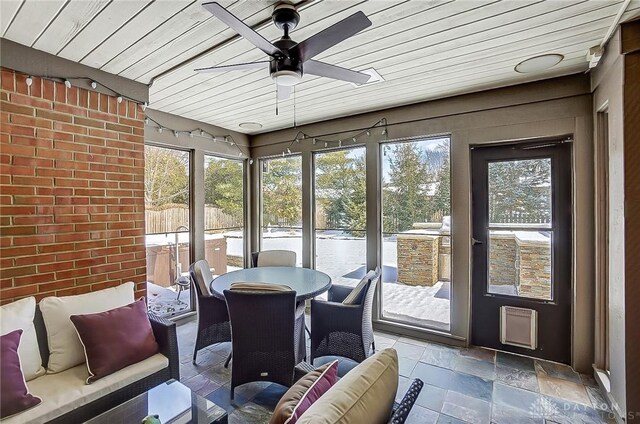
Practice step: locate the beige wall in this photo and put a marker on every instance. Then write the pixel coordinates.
(556, 107)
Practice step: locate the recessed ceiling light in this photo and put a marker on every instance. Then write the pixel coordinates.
(538, 63)
(375, 77)
(250, 125)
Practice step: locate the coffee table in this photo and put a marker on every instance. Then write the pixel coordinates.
(174, 402)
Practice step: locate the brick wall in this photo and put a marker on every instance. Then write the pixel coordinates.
(71, 190)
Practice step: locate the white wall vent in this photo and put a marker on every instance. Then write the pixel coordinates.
(519, 327)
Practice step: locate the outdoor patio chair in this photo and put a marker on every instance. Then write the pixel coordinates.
(267, 334)
(273, 258)
(402, 410)
(213, 317)
(344, 330)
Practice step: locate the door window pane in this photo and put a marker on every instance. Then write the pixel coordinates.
(340, 214)
(282, 204)
(166, 181)
(224, 214)
(520, 246)
(416, 219)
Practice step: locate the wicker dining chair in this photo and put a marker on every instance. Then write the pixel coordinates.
(265, 336)
(344, 330)
(273, 258)
(213, 317)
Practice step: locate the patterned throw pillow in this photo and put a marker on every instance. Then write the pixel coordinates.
(304, 393)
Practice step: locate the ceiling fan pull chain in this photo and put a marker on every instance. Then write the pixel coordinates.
(294, 107)
(277, 95)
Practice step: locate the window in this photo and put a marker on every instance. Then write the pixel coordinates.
(416, 221)
(340, 214)
(282, 204)
(166, 181)
(224, 214)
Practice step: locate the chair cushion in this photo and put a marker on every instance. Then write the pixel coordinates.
(65, 349)
(267, 287)
(15, 396)
(304, 393)
(67, 390)
(127, 327)
(276, 258)
(364, 395)
(357, 294)
(203, 276)
(19, 315)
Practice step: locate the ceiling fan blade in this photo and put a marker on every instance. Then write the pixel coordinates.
(322, 69)
(235, 67)
(284, 91)
(332, 35)
(241, 28)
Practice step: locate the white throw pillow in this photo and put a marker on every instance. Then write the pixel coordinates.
(65, 348)
(19, 315)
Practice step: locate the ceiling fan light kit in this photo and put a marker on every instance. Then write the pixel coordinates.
(288, 59)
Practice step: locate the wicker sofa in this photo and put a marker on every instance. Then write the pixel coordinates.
(66, 398)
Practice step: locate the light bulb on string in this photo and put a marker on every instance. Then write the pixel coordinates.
(175, 133)
(159, 130)
(288, 150)
(119, 99)
(67, 83)
(146, 121)
(190, 134)
(354, 139)
(29, 81)
(368, 133)
(384, 131)
(202, 134)
(314, 141)
(94, 85)
(339, 143)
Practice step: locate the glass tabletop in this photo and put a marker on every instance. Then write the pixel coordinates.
(172, 401)
(306, 282)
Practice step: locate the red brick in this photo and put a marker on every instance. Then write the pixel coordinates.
(48, 89)
(8, 82)
(35, 259)
(30, 101)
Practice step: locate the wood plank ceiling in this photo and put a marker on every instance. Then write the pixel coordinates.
(424, 49)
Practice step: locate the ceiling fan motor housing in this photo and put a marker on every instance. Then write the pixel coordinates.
(288, 67)
(285, 14)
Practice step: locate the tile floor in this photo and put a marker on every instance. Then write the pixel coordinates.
(470, 385)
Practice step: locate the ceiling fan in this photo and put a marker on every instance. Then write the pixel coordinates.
(289, 60)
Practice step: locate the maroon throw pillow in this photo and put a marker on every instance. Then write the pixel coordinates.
(304, 393)
(14, 394)
(115, 339)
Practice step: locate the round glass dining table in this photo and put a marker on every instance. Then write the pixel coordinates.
(307, 283)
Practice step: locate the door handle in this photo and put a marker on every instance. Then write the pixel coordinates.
(475, 241)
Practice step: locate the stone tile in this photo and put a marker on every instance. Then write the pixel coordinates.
(403, 386)
(201, 385)
(218, 373)
(412, 341)
(446, 419)
(406, 366)
(588, 380)
(563, 389)
(469, 385)
(222, 398)
(513, 397)
(563, 412)
(250, 413)
(598, 399)
(223, 349)
(249, 390)
(503, 414)
(479, 353)
(440, 355)
(472, 366)
(515, 361)
(556, 370)
(187, 371)
(420, 415)
(269, 397)
(466, 408)
(431, 397)
(207, 358)
(517, 378)
(409, 351)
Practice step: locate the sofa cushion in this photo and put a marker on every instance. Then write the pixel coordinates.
(364, 395)
(65, 349)
(19, 315)
(14, 395)
(357, 294)
(276, 258)
(67, 390)
(127, 328)
(304, 393)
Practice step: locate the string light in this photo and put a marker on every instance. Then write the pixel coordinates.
(191, 133)
(328, 143)
(91, 83)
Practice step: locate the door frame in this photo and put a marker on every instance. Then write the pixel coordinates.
(549, 311)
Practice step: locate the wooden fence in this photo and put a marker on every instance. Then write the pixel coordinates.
(168, 219)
